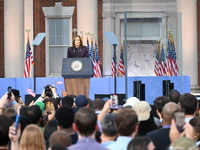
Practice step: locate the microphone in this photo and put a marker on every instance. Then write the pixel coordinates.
(74, 52)
(79, 50)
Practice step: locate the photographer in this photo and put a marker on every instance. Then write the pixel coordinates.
(51, 100)
(48, 92)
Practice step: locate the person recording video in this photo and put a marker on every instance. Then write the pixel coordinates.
(77, 50)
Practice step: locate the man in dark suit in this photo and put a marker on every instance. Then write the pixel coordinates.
(160, 137)
(78, 50)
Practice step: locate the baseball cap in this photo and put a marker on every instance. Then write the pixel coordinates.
(131, 101)
(80, 101)
(142, 110)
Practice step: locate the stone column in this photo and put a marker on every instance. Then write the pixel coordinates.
(108, 26)
(14, 38)
(87, 17)
(28, 21)
(188, 8)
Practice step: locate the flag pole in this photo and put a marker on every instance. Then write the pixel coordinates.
(114, 48)
(34, 69)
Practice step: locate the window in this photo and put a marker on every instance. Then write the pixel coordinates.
(59, 42)
(58, 20)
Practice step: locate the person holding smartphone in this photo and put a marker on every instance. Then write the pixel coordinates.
(8, 100)
(18, 97)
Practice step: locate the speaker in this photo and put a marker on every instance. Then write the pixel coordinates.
(142, 92)
(139, 90)
(121, 97)
(30, 98)
(167, 86)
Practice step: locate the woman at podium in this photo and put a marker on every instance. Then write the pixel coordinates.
(77, 50)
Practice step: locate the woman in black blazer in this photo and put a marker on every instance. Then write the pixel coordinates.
(78, 50)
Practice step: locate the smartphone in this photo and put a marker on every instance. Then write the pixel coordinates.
(17, 121)
(114, 102)
(179, 117)
(9, 90)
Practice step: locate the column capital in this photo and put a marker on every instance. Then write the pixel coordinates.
(108, 14)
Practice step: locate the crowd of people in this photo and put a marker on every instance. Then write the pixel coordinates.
(75, 122)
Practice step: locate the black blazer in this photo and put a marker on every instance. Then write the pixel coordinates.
(80, 52)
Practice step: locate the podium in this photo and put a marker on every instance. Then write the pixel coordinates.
(76, 73)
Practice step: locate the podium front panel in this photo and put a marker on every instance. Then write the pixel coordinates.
(77, 68)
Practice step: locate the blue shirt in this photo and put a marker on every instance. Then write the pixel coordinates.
(87, 143)
(121, 143)
(106, 144)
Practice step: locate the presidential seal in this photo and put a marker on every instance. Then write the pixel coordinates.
(77, 65)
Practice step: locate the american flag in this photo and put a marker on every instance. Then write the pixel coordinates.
(172, 67)
(31, 92)
(113, 67)
(162, 63)
(92, 52)
(88, 48)
(174, 61)
(169, 57)
(28, 70)
(92, 49)
(121, 68)
(97, 72)
(157, 61)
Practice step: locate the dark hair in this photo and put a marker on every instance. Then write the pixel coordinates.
(189, 103)
(67, 101)
(60, 137)
(50, 128)
(108, 125)
(98, 136)
(85, 120)
(89, 101)
(65, 116)
(174, 96)
(34, 114)
(58, 147)
(126, 121)
(195, 122)
(97, 104)
(153, 110)
(160, 101)
(10, 113)
(5, 123)
(81, 42)
(72, 96)
(147, 126)
(139, 143)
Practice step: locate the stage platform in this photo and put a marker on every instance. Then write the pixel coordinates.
(153, 86)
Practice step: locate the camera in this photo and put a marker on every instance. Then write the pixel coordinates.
(48, 91)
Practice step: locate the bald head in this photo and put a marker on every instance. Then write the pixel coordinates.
(168, 111)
